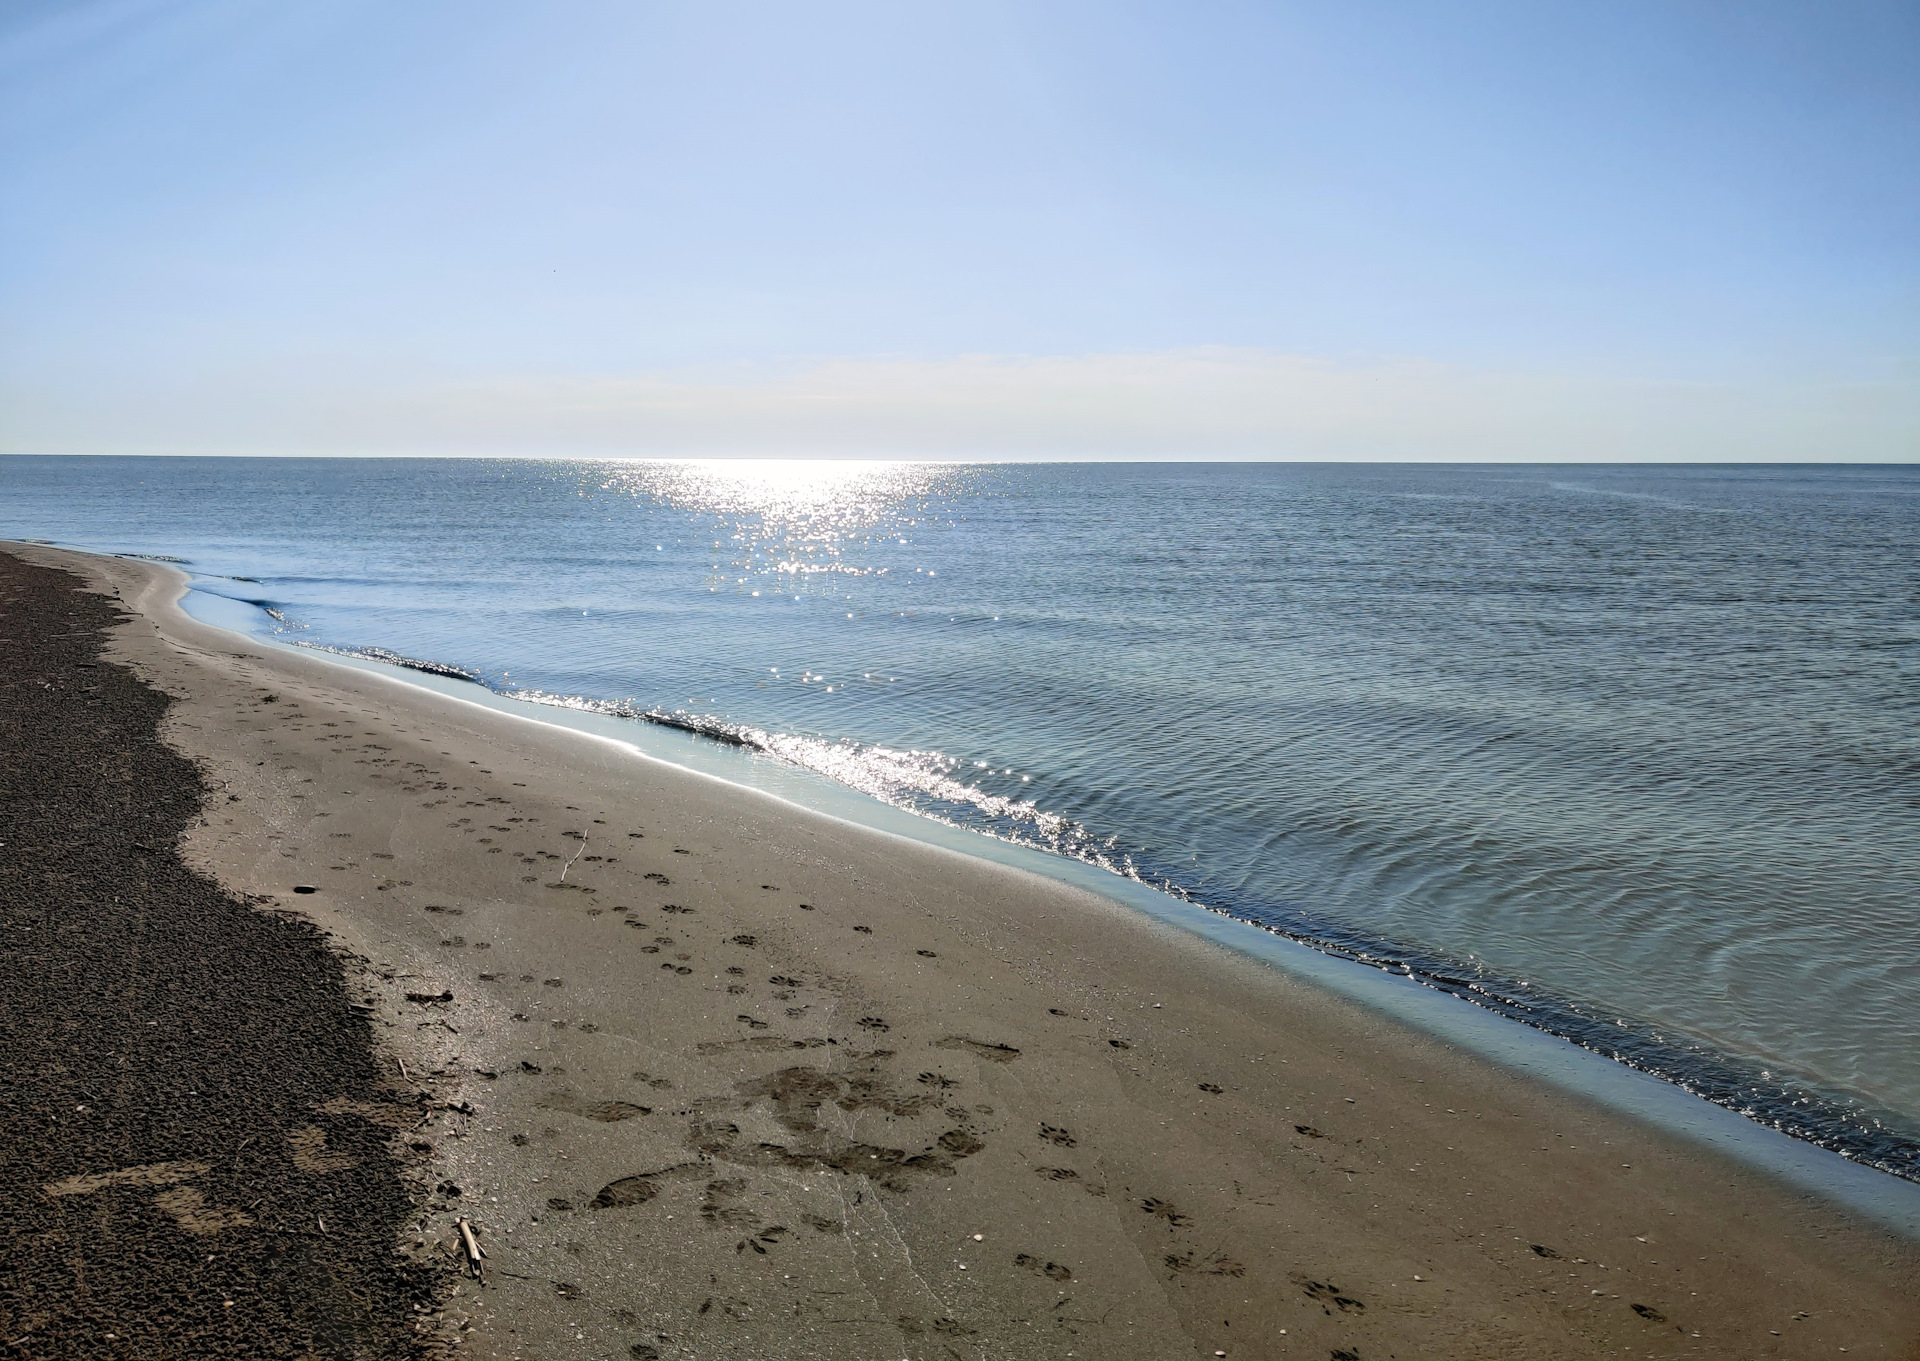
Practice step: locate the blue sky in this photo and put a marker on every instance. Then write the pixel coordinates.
(1541, 229)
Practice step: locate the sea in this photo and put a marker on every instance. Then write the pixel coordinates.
(1628, 754)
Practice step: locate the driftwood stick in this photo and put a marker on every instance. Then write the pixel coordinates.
(474, 1253)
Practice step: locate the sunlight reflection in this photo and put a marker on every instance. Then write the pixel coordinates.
(792, 516)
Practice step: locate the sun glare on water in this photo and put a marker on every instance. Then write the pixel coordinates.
(792, 516)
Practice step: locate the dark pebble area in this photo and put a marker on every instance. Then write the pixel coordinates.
(148, 1016)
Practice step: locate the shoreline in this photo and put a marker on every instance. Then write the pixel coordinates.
(1237, 1152)
(1813, 1141)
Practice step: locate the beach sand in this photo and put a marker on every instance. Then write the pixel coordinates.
(724, 1077)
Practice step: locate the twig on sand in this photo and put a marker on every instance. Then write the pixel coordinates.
(576, 855)
(402, 1065)
(474, 1254)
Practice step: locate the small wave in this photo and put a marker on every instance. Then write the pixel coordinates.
(380, 654)
(143, 557)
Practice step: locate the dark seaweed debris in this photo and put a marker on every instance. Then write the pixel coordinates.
(170, 1051)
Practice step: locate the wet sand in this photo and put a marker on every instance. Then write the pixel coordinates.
(722, 1077)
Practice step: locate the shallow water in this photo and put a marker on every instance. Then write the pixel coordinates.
(1630, 753)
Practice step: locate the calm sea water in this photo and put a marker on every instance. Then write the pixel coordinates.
(1632, 754)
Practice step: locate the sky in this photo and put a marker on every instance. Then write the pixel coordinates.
(1538, 230)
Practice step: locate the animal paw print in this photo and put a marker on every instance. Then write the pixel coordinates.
(1326, 1293)
(1216, 1265)
(1213, 1087)
(1163, 1209)
(1051, 1270)
(864, 930)
(1053, 1134)
(764, 1239)
(939, 1080)
(659, 878)
(780, 980)
(751, 1023)
(926, 954)
(746, 940)
(873, 1023)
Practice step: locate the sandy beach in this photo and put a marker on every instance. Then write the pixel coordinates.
(713, 1075)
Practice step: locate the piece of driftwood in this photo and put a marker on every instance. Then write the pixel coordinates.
(474, 1253)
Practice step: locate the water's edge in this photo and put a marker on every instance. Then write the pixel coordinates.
(1809, 1144)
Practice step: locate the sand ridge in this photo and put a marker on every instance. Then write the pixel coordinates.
(716, 1076)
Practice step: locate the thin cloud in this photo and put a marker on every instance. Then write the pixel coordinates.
(1213, 403)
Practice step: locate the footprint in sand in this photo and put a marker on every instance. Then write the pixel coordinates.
(1051, 1270)
(1164, 1209)
(1326, 1293)
(1215, 1265)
